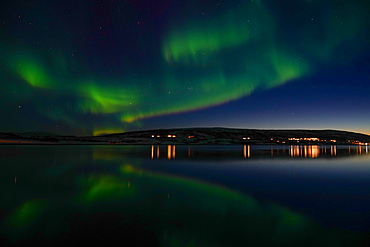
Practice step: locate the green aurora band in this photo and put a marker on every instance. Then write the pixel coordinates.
(226, 55)
(27, 213)
(193, 197)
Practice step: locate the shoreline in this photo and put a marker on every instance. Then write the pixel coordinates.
(196, 136)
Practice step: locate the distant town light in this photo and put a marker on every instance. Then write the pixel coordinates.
(315, 139)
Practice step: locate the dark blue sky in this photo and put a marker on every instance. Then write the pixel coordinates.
(92, 67)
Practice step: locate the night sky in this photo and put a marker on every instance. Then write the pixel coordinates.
(92, 67)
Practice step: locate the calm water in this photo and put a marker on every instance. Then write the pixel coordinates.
(185, 195)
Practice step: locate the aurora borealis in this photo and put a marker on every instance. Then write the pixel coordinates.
(92, 67)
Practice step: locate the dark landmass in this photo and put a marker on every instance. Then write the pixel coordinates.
(196, 136)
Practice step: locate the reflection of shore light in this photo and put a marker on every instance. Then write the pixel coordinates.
(246, 151)
(154, 152)
(171, 152)
(305, 151)
(315, 151)
(294, 151)
(333, 150)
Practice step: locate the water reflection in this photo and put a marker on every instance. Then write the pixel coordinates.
(311, 151)
(121, 194)
(248, 151)
(362, 150)
(155, 152)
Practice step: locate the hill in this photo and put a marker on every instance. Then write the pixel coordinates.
(241, 136)
(206, 136)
